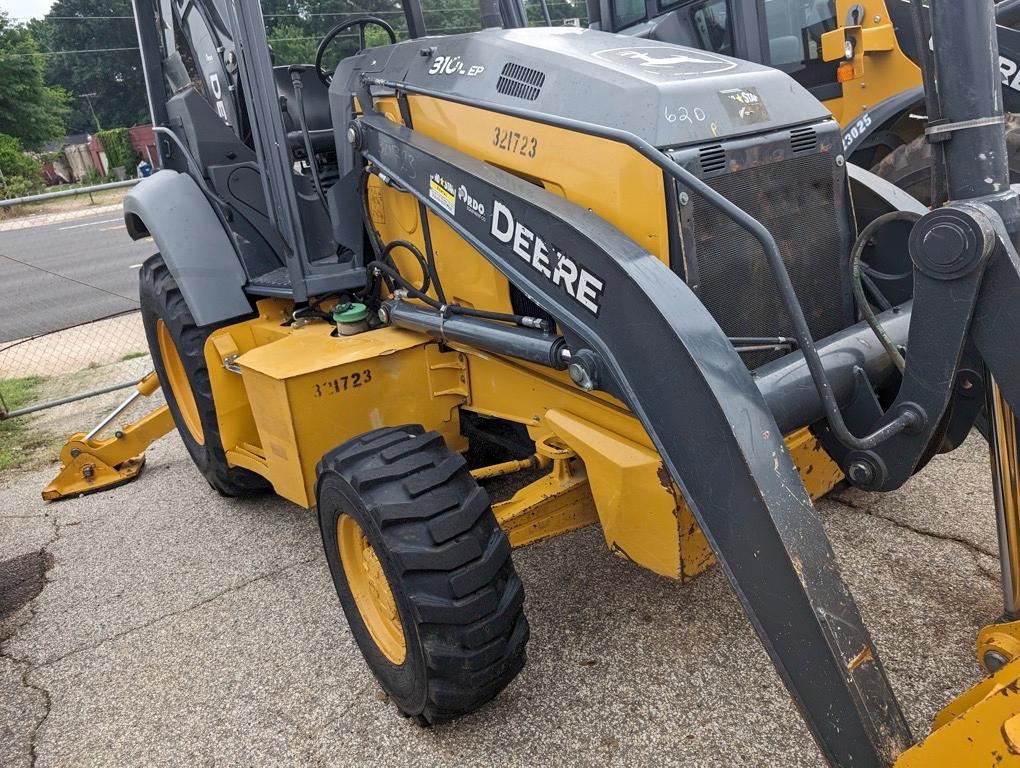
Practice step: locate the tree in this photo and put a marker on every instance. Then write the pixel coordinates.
(21, 173)
(107, 65)
(29, 110)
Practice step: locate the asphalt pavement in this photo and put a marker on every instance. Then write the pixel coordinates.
(64, 272)
(177, 627)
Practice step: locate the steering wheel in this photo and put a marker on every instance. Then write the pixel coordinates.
(360, 22)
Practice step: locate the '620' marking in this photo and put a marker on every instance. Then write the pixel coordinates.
(343, 383)
(514, 142)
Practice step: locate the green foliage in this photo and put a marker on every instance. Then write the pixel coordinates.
(29, 110)
(559, 10)
(17, 186)
(291, 45)
(14, 161)
(117, 145)
(22, 173)
(294, 28)
(14, 394)
(114, 76)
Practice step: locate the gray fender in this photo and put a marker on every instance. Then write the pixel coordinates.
(874, 196)
(197, 250)
(858, 130)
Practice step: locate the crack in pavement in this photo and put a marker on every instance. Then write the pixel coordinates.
(25, 664)
(162, 617)
(28, 667)
(975, 550)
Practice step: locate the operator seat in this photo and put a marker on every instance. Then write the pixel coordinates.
(317, 115)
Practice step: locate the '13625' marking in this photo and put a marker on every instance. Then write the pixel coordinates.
(343, 383)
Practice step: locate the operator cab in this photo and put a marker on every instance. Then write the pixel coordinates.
(218, 118)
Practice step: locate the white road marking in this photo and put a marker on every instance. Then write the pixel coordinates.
(109, 229)
(135, 266)
(89, 224)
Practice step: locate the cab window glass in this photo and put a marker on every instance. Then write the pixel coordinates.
(795, 29)
(627, 12)
(711, 22)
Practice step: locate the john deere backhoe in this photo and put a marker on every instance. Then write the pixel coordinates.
(512, 238)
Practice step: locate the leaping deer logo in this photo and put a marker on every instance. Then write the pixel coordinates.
(666, 61)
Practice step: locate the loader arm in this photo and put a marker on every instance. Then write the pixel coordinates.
(619, 304)
(634, 328)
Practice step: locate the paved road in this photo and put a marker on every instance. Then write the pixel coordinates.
(67, 272)
(177, 627)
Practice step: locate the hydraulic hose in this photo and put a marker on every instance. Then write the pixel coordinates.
(299, 93)
(384, 263)
(855, 273)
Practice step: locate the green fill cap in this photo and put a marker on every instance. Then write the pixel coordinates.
(350, 313)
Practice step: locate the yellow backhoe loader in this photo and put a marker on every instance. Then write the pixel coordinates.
(643, 276)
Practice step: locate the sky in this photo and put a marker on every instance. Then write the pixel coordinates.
(24, 9)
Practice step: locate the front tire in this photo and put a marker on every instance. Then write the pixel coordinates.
(422, 570)
(177, 347)
(909, 166)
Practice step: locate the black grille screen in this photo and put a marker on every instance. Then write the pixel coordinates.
(520, 81)
(795, 200)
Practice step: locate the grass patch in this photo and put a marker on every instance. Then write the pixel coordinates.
(132, 356)
(16, 393)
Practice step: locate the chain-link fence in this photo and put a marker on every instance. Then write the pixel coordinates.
(69, 320)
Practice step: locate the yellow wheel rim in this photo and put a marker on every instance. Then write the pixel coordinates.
(173, 366)
(371, 590)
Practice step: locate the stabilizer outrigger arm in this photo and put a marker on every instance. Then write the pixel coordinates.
(639, 333)
(90, 464)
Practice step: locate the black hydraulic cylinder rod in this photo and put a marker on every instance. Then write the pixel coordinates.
(970, 96)
(503, 339)
(786, 383)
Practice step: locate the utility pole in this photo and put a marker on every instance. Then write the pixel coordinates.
(88, 98)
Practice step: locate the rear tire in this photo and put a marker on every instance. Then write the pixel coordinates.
(177, 346)
(909, 166)
(443, 627)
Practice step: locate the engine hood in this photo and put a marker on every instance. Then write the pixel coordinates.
(668, 95)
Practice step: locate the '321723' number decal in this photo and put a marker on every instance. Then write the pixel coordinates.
(343, 383)
(514, 142)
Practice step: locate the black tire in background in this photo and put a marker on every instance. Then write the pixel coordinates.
(177, 346)
(909, 166)
(449, 632)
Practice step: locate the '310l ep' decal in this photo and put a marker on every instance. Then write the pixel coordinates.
(454, 65)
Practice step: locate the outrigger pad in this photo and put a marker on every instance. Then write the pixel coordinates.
(89, 474)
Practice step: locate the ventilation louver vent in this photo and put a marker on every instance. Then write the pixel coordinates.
(713, 159)
(520, 82)
(803, 140)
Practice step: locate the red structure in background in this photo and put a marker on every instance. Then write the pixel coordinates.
(54, 174)
(81, 154)
(98, 156)
(142, 139)
(144, 142)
